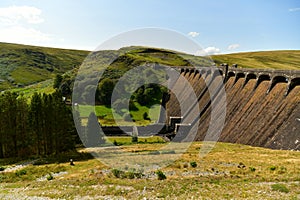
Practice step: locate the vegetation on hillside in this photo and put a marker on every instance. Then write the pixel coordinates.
(22, 65)
(41, 126)
(88, 83)
(284, 60)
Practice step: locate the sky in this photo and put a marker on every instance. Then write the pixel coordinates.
(218, 26)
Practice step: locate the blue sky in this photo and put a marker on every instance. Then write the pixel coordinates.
(218, 26)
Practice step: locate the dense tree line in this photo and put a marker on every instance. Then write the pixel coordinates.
(87, 88)
(42, 127)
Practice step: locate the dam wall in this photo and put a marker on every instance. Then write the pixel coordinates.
(262, 106)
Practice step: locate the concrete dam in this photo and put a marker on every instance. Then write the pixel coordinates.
(262, 107)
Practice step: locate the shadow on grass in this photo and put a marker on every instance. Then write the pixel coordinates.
(62, 157)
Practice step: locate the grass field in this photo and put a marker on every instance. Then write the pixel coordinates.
(229, 171)
(107, 118)
(41, 87)
(128, 140)
(25, 65)
(288, 60)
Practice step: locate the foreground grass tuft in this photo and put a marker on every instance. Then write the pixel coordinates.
(280, 188)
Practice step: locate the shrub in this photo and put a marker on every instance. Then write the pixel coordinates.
(252, 169)
(272, 168)
(160, 175)
(115, 143)
(50, 177)
(145, 116)
(138, 174)
(280, 188)
(134, 139)
(193, 164)
(130, 175)
(185, 165)
(117, 173)
(21, 172)
(241, 165)
(2, 168)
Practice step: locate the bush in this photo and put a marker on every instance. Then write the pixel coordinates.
(252, 169)
(117, 173)
(193, 164)
(185, 165)
(160, 175)
(21, 172)
(134, 139)
(241, 165)
(130, 175)
(280, 188)
(115, 143)
(2, 168)
(272, 168)
(145, 116)
(50, 177)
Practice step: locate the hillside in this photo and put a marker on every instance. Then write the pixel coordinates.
(288, 59)
(24, 65)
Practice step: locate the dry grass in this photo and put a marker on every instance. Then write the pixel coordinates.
(229, 171)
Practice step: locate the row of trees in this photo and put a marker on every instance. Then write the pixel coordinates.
(42, 127)
(89, 90)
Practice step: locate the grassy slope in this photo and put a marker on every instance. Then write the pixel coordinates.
(24, 65)
(288, 59)
(217, 176)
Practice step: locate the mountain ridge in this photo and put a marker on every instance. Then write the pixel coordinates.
(23, 65)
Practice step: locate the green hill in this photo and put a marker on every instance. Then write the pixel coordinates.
(288, 59)
(22, 65)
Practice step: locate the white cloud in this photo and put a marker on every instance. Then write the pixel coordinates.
(294, 9)
(16, 26)
(193, 34)
(15, 14)
(208, 51)
(19, 34)
(233, 46)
